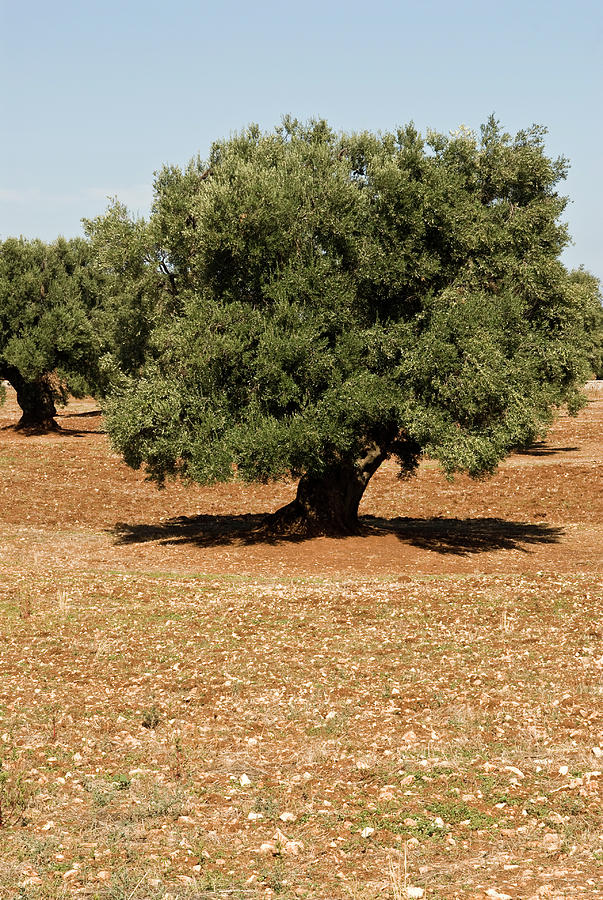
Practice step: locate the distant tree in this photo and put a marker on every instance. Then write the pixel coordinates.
(48, 344)
(321, 302)
(587, 286)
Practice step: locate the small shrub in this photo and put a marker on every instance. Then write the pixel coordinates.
(453, 813)
(121, 782)
(150, 717)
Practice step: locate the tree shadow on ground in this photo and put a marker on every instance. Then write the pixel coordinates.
(542, 449)
(59, 432)
(93, 413)
(456, 536)
(466, 536)
(62, 429)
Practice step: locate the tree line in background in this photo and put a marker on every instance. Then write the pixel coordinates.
(308, 304)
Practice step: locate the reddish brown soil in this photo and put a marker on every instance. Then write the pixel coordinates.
(542, 510)
(188, 711)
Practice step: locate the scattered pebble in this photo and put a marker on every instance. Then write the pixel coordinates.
(293, 848)
(267, 848)
(279, 837)
(70, 873)
(552, 841)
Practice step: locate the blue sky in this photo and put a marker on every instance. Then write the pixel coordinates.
(97, 96)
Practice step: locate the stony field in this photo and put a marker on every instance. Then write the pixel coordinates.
(188, 711)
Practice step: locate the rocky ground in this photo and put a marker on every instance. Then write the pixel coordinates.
(187, 711)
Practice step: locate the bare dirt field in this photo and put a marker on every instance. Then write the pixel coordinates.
(190, 711)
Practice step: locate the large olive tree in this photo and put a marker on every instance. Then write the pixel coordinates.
(319, 302)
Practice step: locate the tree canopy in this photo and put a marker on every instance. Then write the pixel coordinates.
(48, 344)
(311, 303)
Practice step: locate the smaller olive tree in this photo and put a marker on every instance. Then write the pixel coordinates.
(587, 286)
(49, 345)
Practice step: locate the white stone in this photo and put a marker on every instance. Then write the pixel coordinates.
(267, 848)
(279, 837)
(70, 873)
(293, 848)
(552, 841)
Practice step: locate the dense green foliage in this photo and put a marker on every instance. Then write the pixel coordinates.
(587, 287)
(48, 343)
(136, 287)
(310, 297)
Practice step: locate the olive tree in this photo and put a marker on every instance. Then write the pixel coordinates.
(319, 302)
(48, 344)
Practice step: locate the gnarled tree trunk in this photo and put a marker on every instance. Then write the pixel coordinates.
(328, 504)
(36, 399)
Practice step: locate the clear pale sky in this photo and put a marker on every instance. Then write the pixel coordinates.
(98, 95)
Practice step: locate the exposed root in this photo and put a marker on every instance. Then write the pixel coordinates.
(293, 520)
(29, 426)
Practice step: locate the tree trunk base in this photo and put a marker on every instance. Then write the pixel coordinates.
(32, 425)
(328, 504)
(36, 399)
(293, 520)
